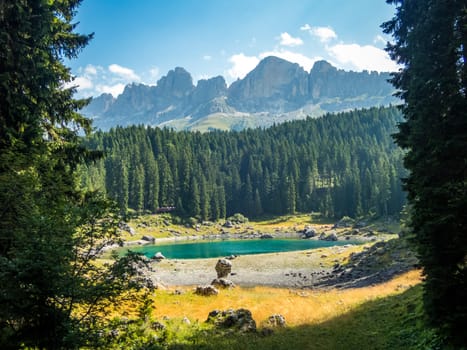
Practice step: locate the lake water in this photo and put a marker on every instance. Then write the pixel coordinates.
(214, 249)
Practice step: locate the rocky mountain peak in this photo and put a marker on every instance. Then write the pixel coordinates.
(322, 67)
(208, 89)
(274, 91)
(272, 85)
(177, 83)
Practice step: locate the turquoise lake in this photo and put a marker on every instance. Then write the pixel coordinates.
(214, 249)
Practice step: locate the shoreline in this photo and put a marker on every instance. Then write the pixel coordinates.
(294, 269)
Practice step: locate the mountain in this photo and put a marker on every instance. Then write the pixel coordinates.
(274, 92)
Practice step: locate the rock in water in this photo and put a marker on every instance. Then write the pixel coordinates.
(223, 268)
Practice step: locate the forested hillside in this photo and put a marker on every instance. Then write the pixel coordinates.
(343, 164)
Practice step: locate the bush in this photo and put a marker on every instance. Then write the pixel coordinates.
(238, 218)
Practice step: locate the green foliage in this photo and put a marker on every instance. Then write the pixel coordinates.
(238, 218)
(50, 231)
(344, 164)
(430, 41)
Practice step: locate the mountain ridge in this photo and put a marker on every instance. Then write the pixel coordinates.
(276, 90)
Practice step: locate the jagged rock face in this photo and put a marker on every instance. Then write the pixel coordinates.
(136, 98)
(328, 81)
(207, 90)
(176, 84)
(275, 84)
(100, 104)
(273, 88)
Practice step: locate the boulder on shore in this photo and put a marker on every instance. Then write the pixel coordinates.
(149, 239)
(158, 256)
(308, 232)
(223, 268)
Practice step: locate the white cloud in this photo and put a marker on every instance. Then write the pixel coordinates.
(294, 57)
(115, 90)
(90, 70)
(207, 57)
(324, 34)
(287, 40)
(359, 57)
(82, 83)
(242, 65)
(123, 72)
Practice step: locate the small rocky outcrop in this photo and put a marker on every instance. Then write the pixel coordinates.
(231, 257)
(228, 224)
(125, 227)
(266, 236)
(206, 290)
(222, 283)
(308, 232)
(149, 239)
(344, 222)
(330, 237)
(223, 268)
(277, 321)
(240, 319)
(158, 256)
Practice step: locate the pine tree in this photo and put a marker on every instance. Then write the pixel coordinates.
(50, 231)
(430, 42)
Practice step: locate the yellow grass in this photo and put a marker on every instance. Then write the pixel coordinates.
(299, 307)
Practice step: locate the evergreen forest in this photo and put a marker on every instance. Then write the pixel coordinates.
(339, 164)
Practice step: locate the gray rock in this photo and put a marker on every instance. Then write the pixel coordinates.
(158, 256)
(125, 227)
(231, 257)
(331, 237)
(266, 236)
(223, 268)
(240, 319)
(148, 238)
(276, 321)
(308, 232)
(206, 290)
(222, 283)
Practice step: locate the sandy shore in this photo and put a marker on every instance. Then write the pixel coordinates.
(296, 269)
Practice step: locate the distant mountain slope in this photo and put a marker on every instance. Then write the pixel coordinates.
(275, 91)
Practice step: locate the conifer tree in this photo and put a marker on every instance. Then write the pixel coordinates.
(431, 45)
(50, 231)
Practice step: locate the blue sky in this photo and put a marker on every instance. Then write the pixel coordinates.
(140, 41)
